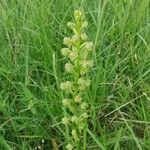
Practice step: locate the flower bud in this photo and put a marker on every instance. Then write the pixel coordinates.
(78, 15)
(85, 24)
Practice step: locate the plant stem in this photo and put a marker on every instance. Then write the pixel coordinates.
(84, 139)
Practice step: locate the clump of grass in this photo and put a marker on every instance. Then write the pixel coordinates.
(77, 51)
(119, 94)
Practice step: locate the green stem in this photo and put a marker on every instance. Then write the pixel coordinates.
(84, 139)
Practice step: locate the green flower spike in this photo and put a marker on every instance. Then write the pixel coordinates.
(77, 51)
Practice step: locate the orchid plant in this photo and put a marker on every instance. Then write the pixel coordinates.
(77, 50)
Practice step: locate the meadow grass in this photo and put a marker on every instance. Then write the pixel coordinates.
(31, 68)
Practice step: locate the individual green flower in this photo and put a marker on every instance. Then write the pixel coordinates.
(87, 64)
(65, 51)
(73, 55)
(78, 15)
(71, 25)
(68, 85)
(85, 115)
(75, 39)
(75, 135)
(80, 121)
(69, 147)
(89, 46)
(67, 41)
(69, 67)
(66, 102)
(74, 118)
(84, 106)
(84, 24)
(84, 37)
(65, 120)
(78, 99)
(83, 83)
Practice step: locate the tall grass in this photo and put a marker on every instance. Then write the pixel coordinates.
(31, 66)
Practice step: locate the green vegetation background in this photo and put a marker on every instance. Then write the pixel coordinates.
(31, 66)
